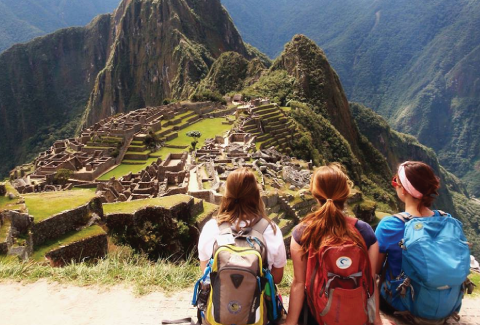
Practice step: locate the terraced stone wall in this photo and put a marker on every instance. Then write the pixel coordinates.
(89, 248)
(156, 230)
(64, 222)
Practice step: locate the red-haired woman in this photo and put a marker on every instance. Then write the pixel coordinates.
(327, 226)
(242, 206)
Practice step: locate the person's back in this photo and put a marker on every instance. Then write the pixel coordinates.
(332, 257)
(241, 247)
(426, 252)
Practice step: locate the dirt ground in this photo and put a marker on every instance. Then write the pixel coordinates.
(44, 303)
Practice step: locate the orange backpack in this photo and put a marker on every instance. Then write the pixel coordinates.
(339, 284)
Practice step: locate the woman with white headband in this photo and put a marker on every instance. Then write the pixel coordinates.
(417, 186)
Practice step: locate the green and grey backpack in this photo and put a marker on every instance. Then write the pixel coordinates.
(237, 278)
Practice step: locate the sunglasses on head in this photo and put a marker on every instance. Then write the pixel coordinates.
(395, 181)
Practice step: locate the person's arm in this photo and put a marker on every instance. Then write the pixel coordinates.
(297, 291)
(277, 273)
(375, 257)
(203, 265)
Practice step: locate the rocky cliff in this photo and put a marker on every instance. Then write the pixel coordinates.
(44, 86)
(161, 49)
(143, 53)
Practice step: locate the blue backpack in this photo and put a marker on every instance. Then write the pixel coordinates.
(435, 265)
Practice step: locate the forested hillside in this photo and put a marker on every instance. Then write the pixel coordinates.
(414, 62)
(22, 20)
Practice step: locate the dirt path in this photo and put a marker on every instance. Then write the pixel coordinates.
(44, 303)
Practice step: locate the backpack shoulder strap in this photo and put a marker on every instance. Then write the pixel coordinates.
(403, 216)
(225, 228)
(261, 225)
(442, 213)
(351, 221)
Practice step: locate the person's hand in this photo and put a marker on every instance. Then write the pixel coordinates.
(383, 321)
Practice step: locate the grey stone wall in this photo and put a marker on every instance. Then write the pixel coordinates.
(3, 189)
(20, 221)
(93, 247)
(157, 231)
(64, 222)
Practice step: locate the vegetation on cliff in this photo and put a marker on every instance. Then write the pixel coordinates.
(398, 147)
(416, 63)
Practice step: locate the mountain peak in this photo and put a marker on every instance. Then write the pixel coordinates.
(162, 49)
(317, 81)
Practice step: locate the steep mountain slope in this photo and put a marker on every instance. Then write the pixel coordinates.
(145, 52)
(416, 63)
(398, 147)
(161, 49)
(44, 86)
(23, 20)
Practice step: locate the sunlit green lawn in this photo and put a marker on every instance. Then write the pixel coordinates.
(209, 128)
(132, 206)
(124, 169)
(46, 204)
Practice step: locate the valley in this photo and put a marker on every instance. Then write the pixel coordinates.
(98, 125)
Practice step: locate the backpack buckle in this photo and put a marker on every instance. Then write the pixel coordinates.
(241, 232)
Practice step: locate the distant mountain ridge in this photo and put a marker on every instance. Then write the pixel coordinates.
(23, 20)
(414, 62)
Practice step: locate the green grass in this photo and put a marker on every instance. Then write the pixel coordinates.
(133, 162)
(93, 189)
(98, 148)
(124, 169)
(4, 231)
(475, 278)
(44, 205)
(206, 185)
(163, 152)
(120, 266)
(145, 152)
(3, 201)
(6, 203)
(67, 239)
(132, 206)
(208, 127)
(208, 208)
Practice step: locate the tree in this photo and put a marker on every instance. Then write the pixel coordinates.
(63, 175)
(151, 140)
(195, 135)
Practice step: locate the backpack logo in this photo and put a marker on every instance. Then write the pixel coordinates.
(418, 226)
(344, 262)
(234, 307)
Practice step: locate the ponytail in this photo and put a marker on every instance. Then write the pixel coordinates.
(327, 225)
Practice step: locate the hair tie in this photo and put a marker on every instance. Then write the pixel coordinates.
(406, 183)
(329, 200)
